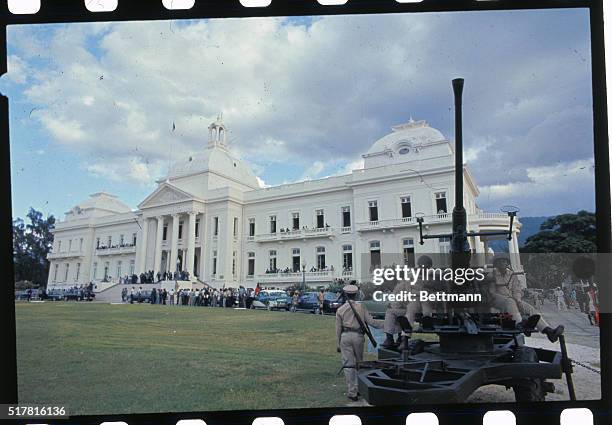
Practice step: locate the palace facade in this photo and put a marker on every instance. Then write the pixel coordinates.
(210, 217)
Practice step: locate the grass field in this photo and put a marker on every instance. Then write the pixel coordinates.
(102, 358)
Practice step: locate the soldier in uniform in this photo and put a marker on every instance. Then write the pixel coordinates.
(350, 336)
(507, 296)
(426, 308)
(394, 310)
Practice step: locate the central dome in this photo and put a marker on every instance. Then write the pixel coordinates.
(405, 136)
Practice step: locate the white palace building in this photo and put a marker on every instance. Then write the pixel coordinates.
(210, 218)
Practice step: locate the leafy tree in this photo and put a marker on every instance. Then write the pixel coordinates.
(568, 233)
(32, 242)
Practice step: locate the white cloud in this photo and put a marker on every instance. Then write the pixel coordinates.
(16, 69)
(312, 97)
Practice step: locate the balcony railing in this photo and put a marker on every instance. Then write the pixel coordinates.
(295, 234)
(117, 250)
(64, 254)
(402, 222)
(323, 275)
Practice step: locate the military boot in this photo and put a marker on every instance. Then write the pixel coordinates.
(388, 342)
(404, 343)
(553, 334)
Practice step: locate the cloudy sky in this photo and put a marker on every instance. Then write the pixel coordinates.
(92, 106)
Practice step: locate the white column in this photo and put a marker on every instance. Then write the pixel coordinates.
(174, 242)
(190, 246)
(158, 245)
(203, 252)
(142, 249)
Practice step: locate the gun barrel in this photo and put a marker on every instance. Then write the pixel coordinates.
(458, 90)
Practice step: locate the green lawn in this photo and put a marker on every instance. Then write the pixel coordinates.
(100, 358)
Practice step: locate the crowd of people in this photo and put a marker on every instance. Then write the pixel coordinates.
(293, 270)
(581, 297)
(206, 297)
(150, 277)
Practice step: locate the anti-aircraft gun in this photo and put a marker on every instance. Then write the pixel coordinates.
(475, 348)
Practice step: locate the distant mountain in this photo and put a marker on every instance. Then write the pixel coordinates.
(531, 226)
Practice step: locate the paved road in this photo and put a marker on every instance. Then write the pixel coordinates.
(578, 330)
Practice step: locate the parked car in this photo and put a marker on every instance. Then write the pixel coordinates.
(309, 301)
(272, 300)
(52, 295)
(74, 294)
(23, 295)
(331, 302)
(143, 297)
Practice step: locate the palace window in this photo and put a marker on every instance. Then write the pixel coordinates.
(234, 263)
(408, 251)
(320, 219)
(251, 265)
(296, 220)
(69, 245)
(347, 257)
(197, 228)
(251, 227)
(165, 232)
(272, 224)
(406, 207)
(66, 272)
(81, 245)
(55, 270)
(375, 254)
(59, 246)
(272, 254)
(214, 267)
(441, 203)
(180, 230)
(346, 216)
(131, 267)
(444, 244)
(373, 210)
(134, 238)
(118, 269)
(295, 258)
(216, 226)
(321, 257)
(235, 226)
(78, 272)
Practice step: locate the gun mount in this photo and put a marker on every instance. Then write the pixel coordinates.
(474, 348)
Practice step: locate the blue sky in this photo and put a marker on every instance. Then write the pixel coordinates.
(92, 105)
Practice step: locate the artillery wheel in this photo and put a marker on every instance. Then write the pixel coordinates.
(528, 389)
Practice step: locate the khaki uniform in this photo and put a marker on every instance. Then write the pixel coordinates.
(526, 309)
(396, 309)
(500, 293)
(350, 340)
(426, 308)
